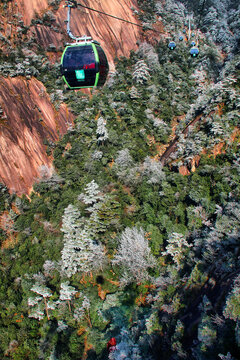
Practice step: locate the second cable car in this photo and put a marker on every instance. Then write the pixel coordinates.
(194, 51)
(84, 65)
(172, 45)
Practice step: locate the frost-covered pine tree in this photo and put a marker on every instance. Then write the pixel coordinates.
(76, 243)
(134, 255)
(37, 308)
(83, 311)
(37, 302)
(100, 211)
(81, 253)
(92, 196)
(77, 253)
(70, 221)
(232, 308)
(141, 72)
(91, 193)
(102, 133)
(177, 248)
(67, 292)
(153, 170)
(124, 159)
(49, 267)
(134, 94)
(148, 52)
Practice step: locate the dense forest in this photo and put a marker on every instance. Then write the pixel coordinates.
(136, 233)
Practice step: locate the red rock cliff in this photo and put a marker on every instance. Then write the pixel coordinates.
(28, 119)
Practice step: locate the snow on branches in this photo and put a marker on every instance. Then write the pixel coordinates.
(134, 255)
(177, 248)
(81, 251)
(141, 72)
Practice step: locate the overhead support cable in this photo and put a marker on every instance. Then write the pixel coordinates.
(74, 4)
(112, 16)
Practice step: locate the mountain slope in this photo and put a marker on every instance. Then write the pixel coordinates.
(135, 234)
(28, 119)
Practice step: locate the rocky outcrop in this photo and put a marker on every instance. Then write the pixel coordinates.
(29, 8)
(27, 119)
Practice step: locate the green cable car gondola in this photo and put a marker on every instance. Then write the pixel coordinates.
(84, 65)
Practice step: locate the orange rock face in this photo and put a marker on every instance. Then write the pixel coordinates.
(28, 8)
(28, 119)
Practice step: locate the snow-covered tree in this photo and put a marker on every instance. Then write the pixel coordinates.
(232, 308)
(153, 170)
(76, 243)
(148, 52)
(177, 248)
(101, 209)
(91, 193)
(124, 159)
(134, 255)
(61, 326)
(49, 267)
(70, 221)
(77, 253)
(81, 251)
(134, 94)
(67, 292)
(102, 133)
(141, 72)
(37, 302)
(83, 311)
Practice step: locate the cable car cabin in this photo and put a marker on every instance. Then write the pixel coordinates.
(172, 45)
(194, 51)
(193, 43)
(180, 38)
(84, 65)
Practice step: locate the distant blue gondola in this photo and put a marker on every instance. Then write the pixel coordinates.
(180, 38)
(184, 31)
(193, 43)
(172, 45)
(194, 51)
